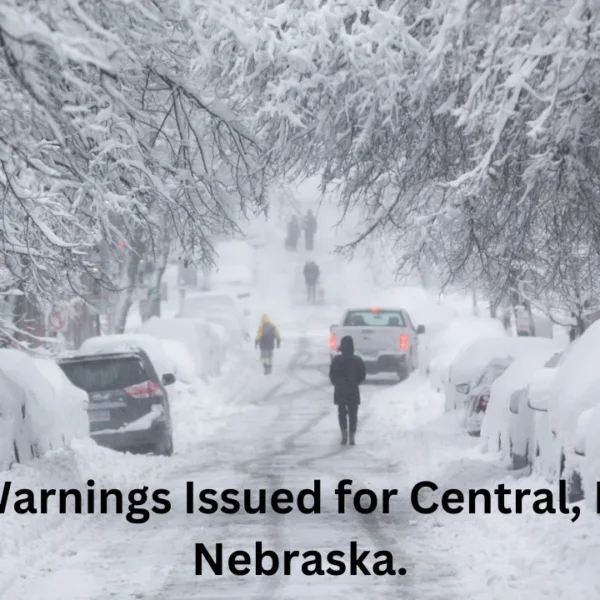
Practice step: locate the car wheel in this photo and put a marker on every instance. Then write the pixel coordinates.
(403, 373)
(519, 462)
(167, 448)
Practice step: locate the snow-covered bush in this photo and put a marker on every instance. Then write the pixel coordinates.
(40, 410)
(495, 433)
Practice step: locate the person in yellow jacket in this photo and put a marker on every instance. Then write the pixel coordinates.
(266, 338)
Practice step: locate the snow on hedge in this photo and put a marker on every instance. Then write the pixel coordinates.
(40, 410)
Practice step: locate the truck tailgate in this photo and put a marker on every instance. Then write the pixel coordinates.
(371, 341)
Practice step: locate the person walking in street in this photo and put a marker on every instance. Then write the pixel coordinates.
(310, 227)
(293, 233)
(311, 277)
(346, 373)
(266, 338)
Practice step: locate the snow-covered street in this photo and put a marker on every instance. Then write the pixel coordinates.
(248, 431)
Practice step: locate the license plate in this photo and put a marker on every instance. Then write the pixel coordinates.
(99, 416)
(369, 353)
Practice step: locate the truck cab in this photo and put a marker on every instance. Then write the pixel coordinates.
(385, 338)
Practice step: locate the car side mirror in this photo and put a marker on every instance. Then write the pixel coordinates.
(420, 329)
(168, 379)
(538, 403)
(463, 388)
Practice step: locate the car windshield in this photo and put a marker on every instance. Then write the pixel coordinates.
(97, 375)
(375, 318)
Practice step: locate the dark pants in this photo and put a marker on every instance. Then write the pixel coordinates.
(348, 416)
(309, 240)
(311, 291)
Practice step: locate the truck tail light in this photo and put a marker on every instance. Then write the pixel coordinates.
(332, 341)
(403, 341)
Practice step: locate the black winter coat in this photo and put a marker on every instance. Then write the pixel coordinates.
(346, 373)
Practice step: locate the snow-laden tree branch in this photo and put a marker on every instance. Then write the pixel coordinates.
(113, 128)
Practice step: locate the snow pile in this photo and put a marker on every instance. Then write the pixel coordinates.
(162, 362)
(495, 426)
(445, 344)
(469, 364)
(203, 342)
(40, 410)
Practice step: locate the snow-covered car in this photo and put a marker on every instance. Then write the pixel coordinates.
(40, 410)
(235, 267)
(573, 390)
(203, 342)
(506, 423)
(120, 342)
(479, 395)
(470, 363)
(220, 309)
(129, 408)
(447, 342)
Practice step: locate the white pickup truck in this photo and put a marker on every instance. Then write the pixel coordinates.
(384, 338)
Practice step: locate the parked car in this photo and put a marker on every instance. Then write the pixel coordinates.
(499, 432)
(385, 338)
(479, 396)
(129, 407)
(527, 428)
(40, 410)
(573, 390)
(470, 363)
(450, 340)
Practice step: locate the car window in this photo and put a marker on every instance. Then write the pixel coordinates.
(97, 375)
(375, 318)
(555, 360)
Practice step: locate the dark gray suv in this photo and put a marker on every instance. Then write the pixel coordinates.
(129, 404)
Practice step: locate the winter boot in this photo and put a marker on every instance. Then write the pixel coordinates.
(344, 437)
(352, 442)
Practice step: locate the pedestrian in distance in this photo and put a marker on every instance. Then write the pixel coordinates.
(267, 336)
(346, 373)
(310, 227)
(293, 233)
(311, 277)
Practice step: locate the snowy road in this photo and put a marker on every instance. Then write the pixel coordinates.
(283, 437)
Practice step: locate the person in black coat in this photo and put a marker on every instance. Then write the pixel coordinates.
(346, 373)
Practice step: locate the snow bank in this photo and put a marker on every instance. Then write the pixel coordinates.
(495, 426)
(71, 468)
(40, 410)
(131, 341)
